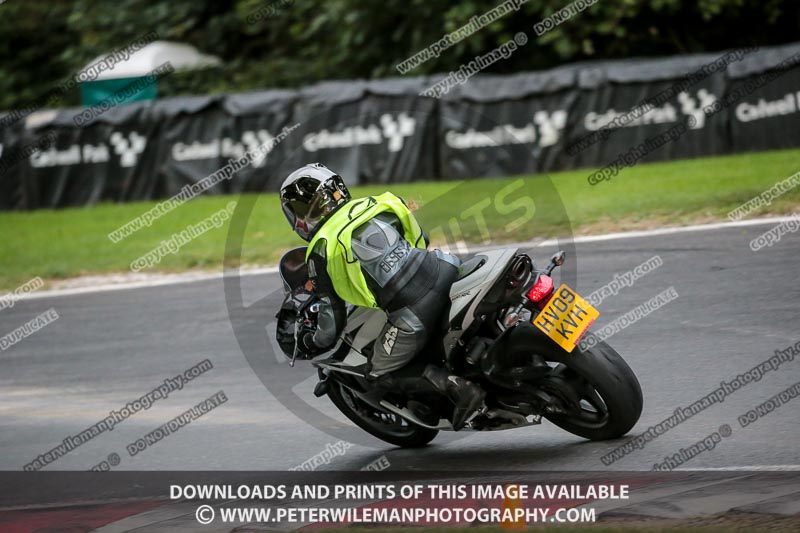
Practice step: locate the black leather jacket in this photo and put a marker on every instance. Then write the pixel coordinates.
(388, 262)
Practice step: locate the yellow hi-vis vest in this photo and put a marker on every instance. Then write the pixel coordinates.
(343, 268)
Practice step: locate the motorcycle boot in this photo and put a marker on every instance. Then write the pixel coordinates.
(466, 396)
(415, 388)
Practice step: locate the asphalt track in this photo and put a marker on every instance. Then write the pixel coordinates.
(735, 308)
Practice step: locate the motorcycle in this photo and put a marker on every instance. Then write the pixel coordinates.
(507, 329)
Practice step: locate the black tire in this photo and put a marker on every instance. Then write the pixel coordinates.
(598, 371)
(608, 373)
(404, 434)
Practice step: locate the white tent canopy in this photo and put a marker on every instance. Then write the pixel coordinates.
(145, 60)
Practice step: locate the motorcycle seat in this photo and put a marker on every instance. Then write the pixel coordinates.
(470, 265)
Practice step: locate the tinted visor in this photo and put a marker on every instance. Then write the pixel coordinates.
(301, 205)
(301, 190)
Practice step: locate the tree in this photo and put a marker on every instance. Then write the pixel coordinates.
(291, 43)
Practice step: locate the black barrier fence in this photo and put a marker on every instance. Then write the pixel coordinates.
(383, 131)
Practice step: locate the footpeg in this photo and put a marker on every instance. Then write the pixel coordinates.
(478, 412)
(515, 418)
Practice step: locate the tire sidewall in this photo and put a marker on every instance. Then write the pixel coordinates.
(420, 437)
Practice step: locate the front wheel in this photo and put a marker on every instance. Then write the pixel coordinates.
(385, 425)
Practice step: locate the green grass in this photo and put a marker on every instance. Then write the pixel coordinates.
(70, 242)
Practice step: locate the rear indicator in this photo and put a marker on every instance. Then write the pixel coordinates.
(541, 289)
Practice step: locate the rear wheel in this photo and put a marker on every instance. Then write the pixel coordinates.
(385, 425)
(593, 394)
(600, 392)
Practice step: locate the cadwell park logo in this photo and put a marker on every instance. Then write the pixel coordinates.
(688, 105)
(693, 105)
(786, 105)
(545, 130)
(249, 141)
(546, 127)
(390, 128)
(128, 146)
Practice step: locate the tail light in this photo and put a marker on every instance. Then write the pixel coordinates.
(541, 289)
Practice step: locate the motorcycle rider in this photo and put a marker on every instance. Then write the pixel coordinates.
(372, 252)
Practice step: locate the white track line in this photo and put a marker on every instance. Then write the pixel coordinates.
(646, 233)
(170, 279)
(677, 229)
(190, 277)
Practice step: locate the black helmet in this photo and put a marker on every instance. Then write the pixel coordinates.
(309, 195)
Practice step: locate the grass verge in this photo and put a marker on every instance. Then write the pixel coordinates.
(56, 244)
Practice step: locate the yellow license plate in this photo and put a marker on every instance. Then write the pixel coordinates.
(566, 318)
